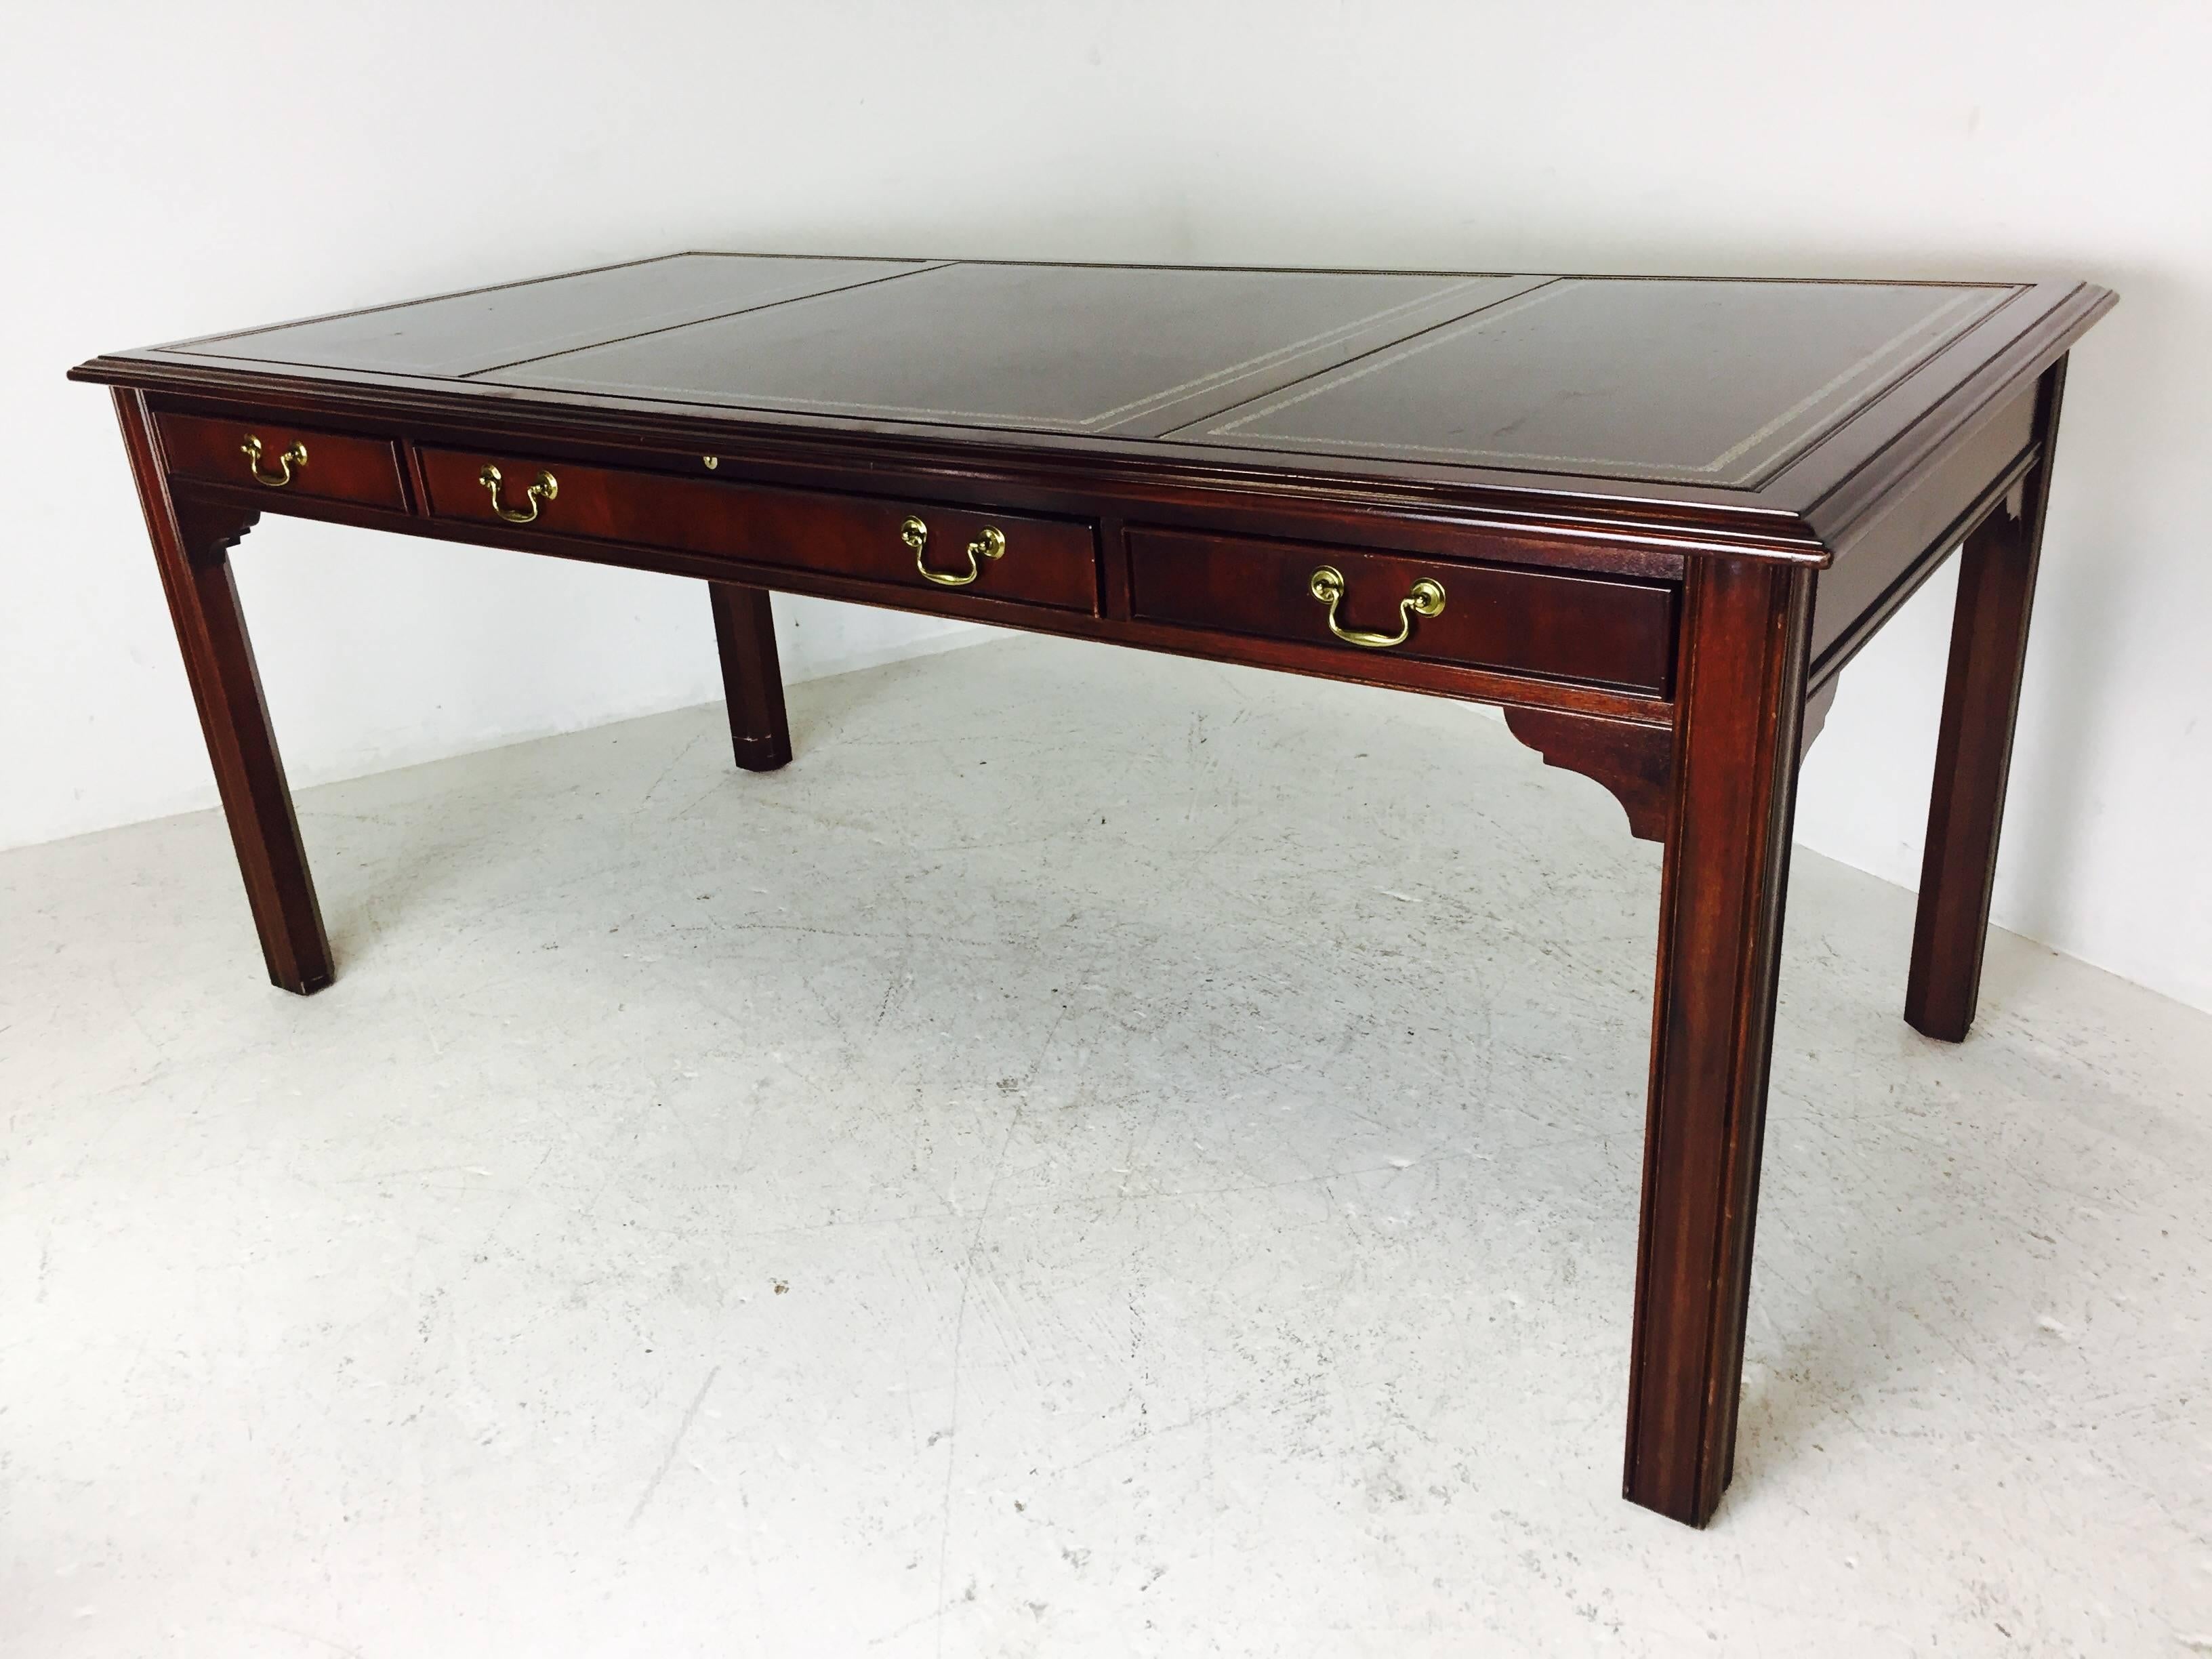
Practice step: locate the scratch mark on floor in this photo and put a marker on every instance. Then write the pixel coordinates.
(668, 1459)
(959, 1334)
(681, 755)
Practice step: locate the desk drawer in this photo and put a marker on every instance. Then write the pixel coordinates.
(1598, 630)
(296, 460)
(995, 555)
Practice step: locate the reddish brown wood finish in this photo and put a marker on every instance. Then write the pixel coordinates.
(1046, 561)
(1744, 634)
(1632, 574)
(338, 468)
(192, 546)
(1818, 702)
(1973, 748)
(752, 684)
(1564, 626)
(1856, 595)
(1322, 660)
(1635, 761)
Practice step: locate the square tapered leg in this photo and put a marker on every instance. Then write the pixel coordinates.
(1739, 702)
(1973, 750)
(752, 681)
(192, 546)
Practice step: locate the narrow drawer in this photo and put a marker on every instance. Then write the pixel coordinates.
(1598, 630)
(290, 460)
(997, 556)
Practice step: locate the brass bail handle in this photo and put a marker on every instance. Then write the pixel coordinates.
(297, 456)
(991, 544)
(543, 491)
(1427, 599)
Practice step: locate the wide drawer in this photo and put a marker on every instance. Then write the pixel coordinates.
(296, 460)
(911, 544)
(1598, 630)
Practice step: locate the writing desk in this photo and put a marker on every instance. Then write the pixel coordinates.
(1651, 518)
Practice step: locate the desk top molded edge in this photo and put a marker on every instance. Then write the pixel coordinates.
(1796, 516)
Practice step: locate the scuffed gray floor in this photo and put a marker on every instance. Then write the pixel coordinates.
(1102, 1156)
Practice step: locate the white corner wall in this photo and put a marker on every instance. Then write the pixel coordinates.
(174, 170)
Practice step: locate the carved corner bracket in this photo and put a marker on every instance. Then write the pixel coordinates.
(1818, 702)
(1634, 760)
(210, 529)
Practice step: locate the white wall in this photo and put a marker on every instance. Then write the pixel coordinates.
(171, 170)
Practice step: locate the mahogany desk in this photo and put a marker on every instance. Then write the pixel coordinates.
(1651, 518)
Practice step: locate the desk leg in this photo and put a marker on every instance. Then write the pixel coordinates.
(752, 682)
(1973, 750)
(191, 546)
(1740, 700)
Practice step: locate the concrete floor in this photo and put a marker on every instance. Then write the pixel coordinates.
(1101, 1155)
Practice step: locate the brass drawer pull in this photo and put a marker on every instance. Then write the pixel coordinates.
(295, 456)
(988, 545)
(544, 489)
(1427, 599)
